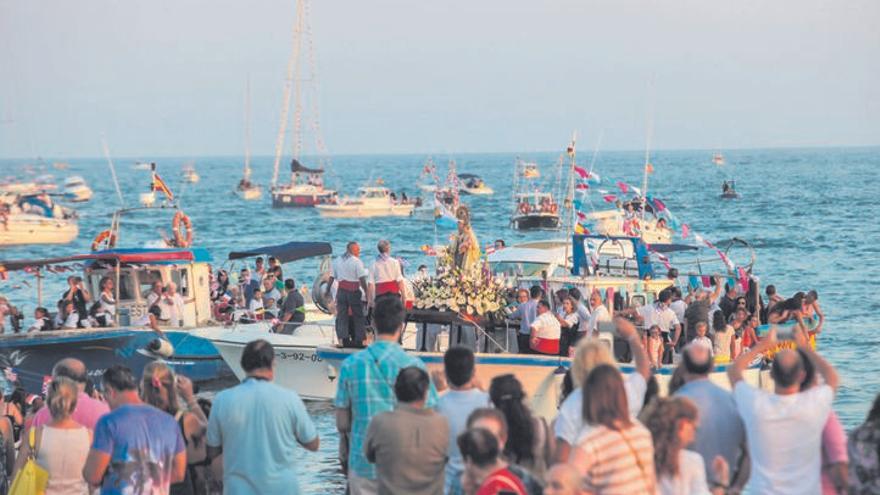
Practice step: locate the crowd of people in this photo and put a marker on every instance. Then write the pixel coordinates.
(403, 429)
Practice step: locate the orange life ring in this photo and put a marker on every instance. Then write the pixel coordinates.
(182, 239)
(524, 207)
(104, 235)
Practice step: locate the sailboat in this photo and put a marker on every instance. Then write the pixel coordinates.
(533, 208)
(306, 186)
(246, 189)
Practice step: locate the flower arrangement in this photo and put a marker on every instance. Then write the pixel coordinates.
(470, 291)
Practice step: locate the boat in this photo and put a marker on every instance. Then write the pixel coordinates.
(246, 189)
(36, 219)
(33, 354)
(60, 165)
(372, 201)
(306, 187)
(189, 174)
(627, 221)
(728, 190)
(438, 199)
(533, 208)
(142, 165)
(473, 185)
(76, 189)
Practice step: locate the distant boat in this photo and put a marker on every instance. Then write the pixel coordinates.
(473, 185)
(76, 189)
(728, 190)
(60, 165)
(372, 201)
(718, 159)
(190, 175)
(36, 219)
(246, 189)
(533, 208)
(142, 165)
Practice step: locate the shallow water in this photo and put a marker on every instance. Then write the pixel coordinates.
(811, 215)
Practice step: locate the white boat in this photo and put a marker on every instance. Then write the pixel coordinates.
(142, 165)
(616, 223)
(473, 185)
(36, 220)
(372, 201)
(76, 189)
(147, 199)
(190, 175)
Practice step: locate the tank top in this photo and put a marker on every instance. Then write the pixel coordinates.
(62, 452)
(722, 344)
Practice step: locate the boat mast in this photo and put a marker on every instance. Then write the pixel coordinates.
(296, 139)
(569, 194)
(285, 106)
(649, 131)
(247, 130)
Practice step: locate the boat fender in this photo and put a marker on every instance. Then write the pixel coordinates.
(161, 348)
(182, 239)
(319, 293)
(104, 237)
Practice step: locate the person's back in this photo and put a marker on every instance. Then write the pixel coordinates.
(408, 446)
(139, 439)
(259, 425)
(87, 413)
(616, 461)
(62, 452)
(720, 430)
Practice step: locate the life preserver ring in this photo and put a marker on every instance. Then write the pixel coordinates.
(524, 207)
(182, 239)
(554, 208)
(102, 237)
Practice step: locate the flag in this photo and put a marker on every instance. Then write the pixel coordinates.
(581, 172)
(649, 168)
(580, 229)
(623, 186)
(581, 186)
(582, 215)
(658, 204)
(609, 198)
(685, 230)
(159, 185)
(578, 204)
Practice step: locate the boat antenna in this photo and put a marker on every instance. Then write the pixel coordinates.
(649, 134)
(596, 150)
(112, 169)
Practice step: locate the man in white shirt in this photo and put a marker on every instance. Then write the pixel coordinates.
(583, 312)
(351, 277)
(784, 428)
(545, 331)
(659, 314)
(598, 313)
(386, 277)
(173, 303)
(569, 424)
(526, 313)
(678, 306)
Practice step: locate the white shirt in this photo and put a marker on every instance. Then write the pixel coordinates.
(38, 326)
(255, 307)
(174, 308)
(385, 269)
(570, 424)
(456, 406)
(784, 434)
(678, 307)
(691, 479)
(600, 313)
(657, 314)
(583, 317)
(71, 320)
(546, 326)
(349, 268)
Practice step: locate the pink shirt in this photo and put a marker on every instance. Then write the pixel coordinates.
(87, 412)
(833, 449)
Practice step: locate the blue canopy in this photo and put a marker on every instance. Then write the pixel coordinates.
(640, 249)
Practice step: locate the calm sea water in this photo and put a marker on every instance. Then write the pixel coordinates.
(810, 214)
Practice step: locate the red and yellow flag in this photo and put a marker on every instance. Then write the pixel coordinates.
(159, 185)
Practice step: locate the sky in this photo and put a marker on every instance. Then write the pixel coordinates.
(168, 77)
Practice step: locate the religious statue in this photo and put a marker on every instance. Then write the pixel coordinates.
(465, 248)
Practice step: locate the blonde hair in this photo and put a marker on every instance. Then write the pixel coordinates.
(158, 377)
(61, 399)
(588, 354)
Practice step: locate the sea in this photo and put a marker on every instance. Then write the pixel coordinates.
(811, 216)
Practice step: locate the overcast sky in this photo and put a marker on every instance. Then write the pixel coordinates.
(167, 77)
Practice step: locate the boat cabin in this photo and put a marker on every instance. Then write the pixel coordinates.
(536, 203)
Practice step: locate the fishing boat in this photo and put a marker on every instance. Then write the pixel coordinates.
(246, 189)
(473, 185)
(36, 219)
(76, 189)
(306, 187)
(189, 174)
(372, 201)
(728, 190)
(533, 208)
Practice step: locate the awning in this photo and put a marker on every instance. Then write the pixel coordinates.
(134, 255)
(468, 176)
(288, 252)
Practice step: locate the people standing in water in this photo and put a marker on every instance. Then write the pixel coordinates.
(351, 277)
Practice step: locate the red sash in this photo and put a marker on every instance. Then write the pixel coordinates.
(546, 346)
(388, 288)
(349, 286)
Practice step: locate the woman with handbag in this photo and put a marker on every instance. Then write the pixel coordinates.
(62, 445)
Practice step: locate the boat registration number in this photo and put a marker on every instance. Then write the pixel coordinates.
(298, 356)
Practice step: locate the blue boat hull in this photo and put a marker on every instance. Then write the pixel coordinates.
(32, 356)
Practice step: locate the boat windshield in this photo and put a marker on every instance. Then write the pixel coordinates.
(518, 268)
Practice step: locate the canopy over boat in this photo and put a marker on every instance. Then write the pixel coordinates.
(122, 256)
(468, 176)
(285, 253)
(641, 250)
(296, 166)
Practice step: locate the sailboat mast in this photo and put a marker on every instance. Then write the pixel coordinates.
(569, 194)
(285, 105)
(247, 129)
(297, 88)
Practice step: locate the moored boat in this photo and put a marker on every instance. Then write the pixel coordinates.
(305, 189)
(535, 211)
(728, 190)
(372, 201)
(36, 219)
(76, 189)
(473, 185)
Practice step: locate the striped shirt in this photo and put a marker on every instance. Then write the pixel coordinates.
(617, 462)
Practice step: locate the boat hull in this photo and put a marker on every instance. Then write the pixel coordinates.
(728, 195)
(535, 222)
(250, 193)
(610, 223)
(288, 199)
(477, 191)
(79, 195)
(32, 356)
(35, 229)
(365, 211)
